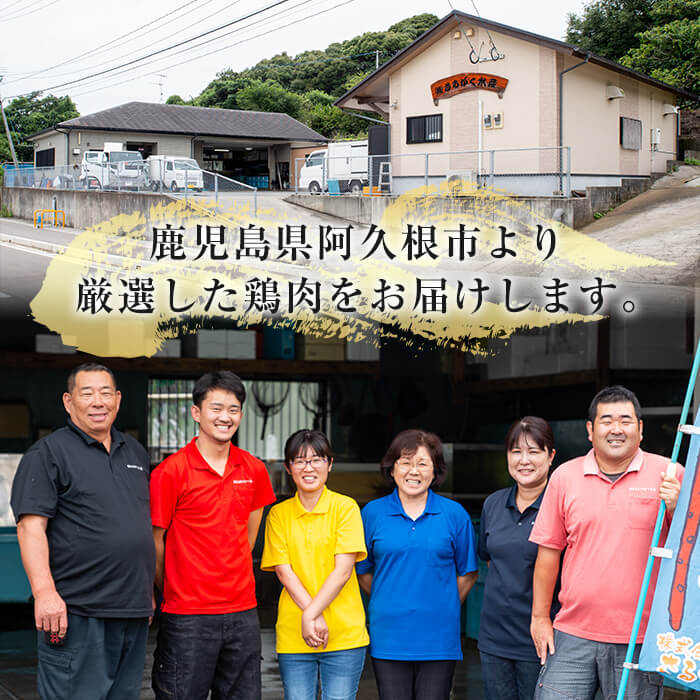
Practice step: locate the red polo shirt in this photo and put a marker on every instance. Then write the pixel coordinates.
(208, 563)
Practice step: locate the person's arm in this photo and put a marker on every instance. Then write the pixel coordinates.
(365, 581)
(465, 583)
(50, 614)
(342, 571)
(254, 520)
(543, 582)
(159, 541)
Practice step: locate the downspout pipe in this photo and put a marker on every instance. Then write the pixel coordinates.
(561, 116)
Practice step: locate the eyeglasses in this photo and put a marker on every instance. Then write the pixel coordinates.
(405, 465)
(315, 462)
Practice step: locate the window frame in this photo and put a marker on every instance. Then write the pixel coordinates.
(424, 138)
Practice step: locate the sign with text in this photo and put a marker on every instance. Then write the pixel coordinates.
(462, 82)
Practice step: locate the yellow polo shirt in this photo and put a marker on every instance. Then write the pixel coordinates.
(308, 541)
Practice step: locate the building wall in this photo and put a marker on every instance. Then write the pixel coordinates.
(592, 122)
(530, 112)
(81, 141)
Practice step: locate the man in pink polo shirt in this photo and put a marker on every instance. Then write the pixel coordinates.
(600, 510)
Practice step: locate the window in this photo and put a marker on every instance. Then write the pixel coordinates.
(272, 412)
(424, 129)
(46, 158)
(630, 133)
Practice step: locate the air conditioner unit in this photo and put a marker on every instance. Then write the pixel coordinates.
(457, 179)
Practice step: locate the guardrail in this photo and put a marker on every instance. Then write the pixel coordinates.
(186, 184)
(524, 171)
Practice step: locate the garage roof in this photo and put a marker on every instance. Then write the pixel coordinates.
(194, 121)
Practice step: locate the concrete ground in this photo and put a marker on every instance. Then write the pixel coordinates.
(663, 222)
(18, 670)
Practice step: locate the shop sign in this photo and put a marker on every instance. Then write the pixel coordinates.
(447, 87)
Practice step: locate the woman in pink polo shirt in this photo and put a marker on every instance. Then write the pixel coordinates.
(508, 658)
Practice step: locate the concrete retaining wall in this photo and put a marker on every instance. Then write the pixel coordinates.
(82, 208)
(365, 210)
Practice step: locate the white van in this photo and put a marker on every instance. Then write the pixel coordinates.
(174, 173)
(343, 161)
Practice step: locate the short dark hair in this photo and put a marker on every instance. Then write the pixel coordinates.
(614, 394)
(301, 440)
(88, 367)
(407, 442)
(222, 379)
(537, 429)
(298, 442)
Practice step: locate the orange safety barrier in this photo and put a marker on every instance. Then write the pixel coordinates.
(39, 219)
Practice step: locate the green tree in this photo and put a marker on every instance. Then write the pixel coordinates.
(609, 28)
(670, 51)
(177, 100)
(27, 115)
(269, 96)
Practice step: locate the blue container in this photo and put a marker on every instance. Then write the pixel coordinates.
(14, 586)
(278, 343)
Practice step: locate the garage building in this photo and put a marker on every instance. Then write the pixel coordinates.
(251, 147)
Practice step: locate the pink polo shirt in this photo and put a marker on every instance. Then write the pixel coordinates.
(606, 529)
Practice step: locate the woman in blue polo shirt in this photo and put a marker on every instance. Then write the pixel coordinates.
(509, 662)
(421, 563)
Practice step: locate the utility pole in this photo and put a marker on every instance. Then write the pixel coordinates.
(161, 83)
(7, 128)
(376, 59)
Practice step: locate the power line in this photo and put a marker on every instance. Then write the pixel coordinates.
(209, 53)
(104, 47)
(191, 48)
(169, 48)
(31, 12)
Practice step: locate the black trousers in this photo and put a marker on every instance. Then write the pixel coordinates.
(413, 680)
(199, 653)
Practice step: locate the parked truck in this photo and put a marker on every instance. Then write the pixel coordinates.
(345, 162)
(174, 173)
(113, 168)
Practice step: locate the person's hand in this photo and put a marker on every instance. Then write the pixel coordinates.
(153, 608)
(542, 634)
(669, 489)
(50, 614)
(309, 631)
(321, 629)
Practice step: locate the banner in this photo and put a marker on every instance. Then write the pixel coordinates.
(672, 642)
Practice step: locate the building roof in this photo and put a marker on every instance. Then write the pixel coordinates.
(374, 89)
(193, 121)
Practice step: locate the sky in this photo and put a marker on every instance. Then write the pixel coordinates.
(49, 44)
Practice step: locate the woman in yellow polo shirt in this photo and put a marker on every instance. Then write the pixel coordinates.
(312, 542)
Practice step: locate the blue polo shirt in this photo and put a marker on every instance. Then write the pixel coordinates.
(503, 541)
(414, 604)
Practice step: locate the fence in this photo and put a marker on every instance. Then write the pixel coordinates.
(133, 176)
(523, 171)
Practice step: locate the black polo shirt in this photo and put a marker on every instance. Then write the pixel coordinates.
(101, 549)
(503, 541)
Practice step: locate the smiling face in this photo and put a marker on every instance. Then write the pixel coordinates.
(528, 463)
(93, 403)
(414, 473)
(616, 434)
(309, 470)
(219, 415)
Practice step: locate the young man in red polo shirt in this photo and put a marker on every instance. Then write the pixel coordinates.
(206, 506)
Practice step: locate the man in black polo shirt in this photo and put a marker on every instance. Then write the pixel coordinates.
(81, 502)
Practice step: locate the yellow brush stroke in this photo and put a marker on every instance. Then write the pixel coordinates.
(120, 248)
